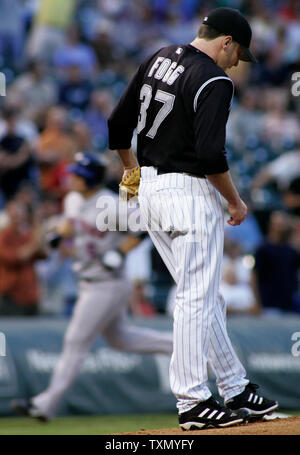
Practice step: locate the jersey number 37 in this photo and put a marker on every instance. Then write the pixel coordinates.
(167, 100)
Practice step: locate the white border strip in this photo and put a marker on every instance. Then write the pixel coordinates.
(205, 84)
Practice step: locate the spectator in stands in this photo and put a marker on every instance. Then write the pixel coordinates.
(75, 91)
(16, 161)
(282, 170)
(139, 305)
(249, 236)
(290, 13)
(24, 127)
(235, 284)
(96, 116)
(291, 197)
(278, 123)
(103, 47)
(55, 148)
(82, 136)
(20, 247)
(34, 89)
(289, 10)
(52, 20)
(275, 69)
(75, 53)
(264, 28)
(276, 269)
(245, 119)
(12, 31)
(26, 196)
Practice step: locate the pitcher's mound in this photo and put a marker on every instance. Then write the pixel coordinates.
(287, 426)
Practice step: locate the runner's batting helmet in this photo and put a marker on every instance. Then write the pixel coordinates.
(90, 167)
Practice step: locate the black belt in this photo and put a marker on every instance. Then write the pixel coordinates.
(164, 171)
(99, 280)
(90, 280)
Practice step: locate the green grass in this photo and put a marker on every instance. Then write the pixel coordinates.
(87, 425)
(91, 425)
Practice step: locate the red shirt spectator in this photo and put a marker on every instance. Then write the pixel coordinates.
(20, 247)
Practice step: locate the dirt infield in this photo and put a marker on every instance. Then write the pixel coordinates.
(289, 426)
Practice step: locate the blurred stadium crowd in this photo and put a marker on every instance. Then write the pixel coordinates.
(66, 63)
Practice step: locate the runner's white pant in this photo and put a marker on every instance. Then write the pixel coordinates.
(100, 309)
(185, 219)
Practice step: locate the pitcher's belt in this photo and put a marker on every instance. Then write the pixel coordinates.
(164, 171)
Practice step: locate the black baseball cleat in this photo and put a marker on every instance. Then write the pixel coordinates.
(250, 401)
(210, 414)
(26, 408)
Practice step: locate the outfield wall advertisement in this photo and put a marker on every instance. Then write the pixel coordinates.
(114, 382)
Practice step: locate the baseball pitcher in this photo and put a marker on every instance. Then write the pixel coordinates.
(179, 102)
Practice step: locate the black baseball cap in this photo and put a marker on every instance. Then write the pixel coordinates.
(231, 22)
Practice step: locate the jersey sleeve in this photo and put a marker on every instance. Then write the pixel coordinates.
(211, 114)
(124, 117)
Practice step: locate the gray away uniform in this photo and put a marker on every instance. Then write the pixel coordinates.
(101, 304)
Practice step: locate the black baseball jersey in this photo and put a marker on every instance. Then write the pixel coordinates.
(179, 101)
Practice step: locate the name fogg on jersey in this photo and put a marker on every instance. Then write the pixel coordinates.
(166, 70)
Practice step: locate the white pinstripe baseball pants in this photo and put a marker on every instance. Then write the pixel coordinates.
(185, 219)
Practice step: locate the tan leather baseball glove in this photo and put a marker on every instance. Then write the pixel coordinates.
(130, 184)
